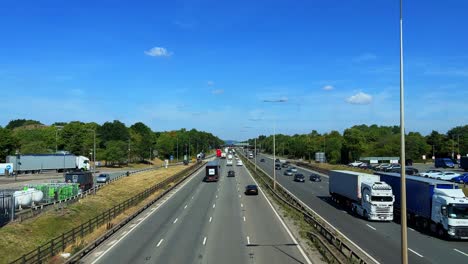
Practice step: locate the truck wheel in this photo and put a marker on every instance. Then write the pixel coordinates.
(366, 215)
(441, 232)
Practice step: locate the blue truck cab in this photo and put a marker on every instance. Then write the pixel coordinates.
(444, 163)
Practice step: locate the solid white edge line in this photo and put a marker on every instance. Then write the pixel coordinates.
(125, 233)
(371, 227)
(281, 221)
(419, 255)
(204, 241)
(461, 252)
(323, 219)
(159, 243)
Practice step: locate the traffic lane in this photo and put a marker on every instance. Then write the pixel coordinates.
(383, 251)
(225, 237)
(137, 242)
(419, 244)
(268, 240)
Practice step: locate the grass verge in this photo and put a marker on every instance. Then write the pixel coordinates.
(20, 238)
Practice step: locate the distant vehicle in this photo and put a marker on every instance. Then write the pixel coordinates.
(298, 177)
(464, 163)
(288, 172)
(251, 155)
(446, 175)
(315, 177)
(229, 156)
(444, 163)
(362, 193)
(277, 160)
(284, 165)
(231, 173)
(409, 170)
(229, 162)
(223, 155)
(287, 162)
(218, 153)
(83, 178)
(355, 164)
(239, 163)
(277, 166)
(103, 178)
(431, 173)
(461, 179)
(392, 167)
(35, 163)
(293, 169)
(262, 160)
(213, 170)
(186, 162)
(437, 206)
(251, 190)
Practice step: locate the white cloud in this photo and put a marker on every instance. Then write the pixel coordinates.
(365, 57)
(328, 87)
(158, 52)
(217, 91)
(210, 83)
(360, 98)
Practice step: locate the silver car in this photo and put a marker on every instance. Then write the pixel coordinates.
(103, 178)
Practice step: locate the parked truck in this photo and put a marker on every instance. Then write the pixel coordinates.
(364, 194)
(36, 163)
(433, 205)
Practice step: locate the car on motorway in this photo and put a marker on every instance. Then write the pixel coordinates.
(293, 169)
(262, 160)
(284, 165)
(315, 177)
(277, 160)
(409, 170)
(231, 173)
(461, 179)
(431, 173)
(251, 189)
(103, 178)
(239, 163)
(298, 177)
(288, 172)
(277, 166)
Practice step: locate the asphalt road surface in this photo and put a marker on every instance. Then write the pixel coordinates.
(381, 240)
(204, 223)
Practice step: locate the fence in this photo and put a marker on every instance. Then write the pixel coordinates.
(59, 243)
(335, 248)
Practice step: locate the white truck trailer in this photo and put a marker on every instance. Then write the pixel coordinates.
(363, 194)
(36, 163)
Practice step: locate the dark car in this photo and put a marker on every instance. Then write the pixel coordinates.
(103, 178)
(284, 165)
(315, 177)
(409, 170)
(299, 177)
(251, 190)
(277, 160)
(277, 166)
(231, 173)
(461, 179)
(288, 162)
(288, 172)
(262, 160)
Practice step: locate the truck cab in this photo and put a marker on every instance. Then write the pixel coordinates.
(376, 202)
(450, 213)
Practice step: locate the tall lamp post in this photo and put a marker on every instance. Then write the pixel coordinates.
(404, 235)
(94, 150)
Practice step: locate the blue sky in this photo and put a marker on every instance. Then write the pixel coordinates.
(210, 64)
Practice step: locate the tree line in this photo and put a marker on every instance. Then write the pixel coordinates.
(115, 142)
(367, 141)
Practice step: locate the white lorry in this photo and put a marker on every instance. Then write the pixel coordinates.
(363, 194)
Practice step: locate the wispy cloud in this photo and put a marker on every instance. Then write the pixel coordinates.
(210, 83)
(360, 98)
(158, 52)
(328, 87)
(217, 91)
(365, 57)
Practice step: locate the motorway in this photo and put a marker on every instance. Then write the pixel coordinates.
(202, 222)
(381, 240)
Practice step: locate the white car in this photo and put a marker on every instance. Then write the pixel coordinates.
(447, 175)
(239, 163)
(229, 162)
(431, 173)
(355, 164)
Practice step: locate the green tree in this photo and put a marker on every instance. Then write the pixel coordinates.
(416, 146)
(111, 131)
(8, 143)
(354, 142)
(116, 152)
(21, 122)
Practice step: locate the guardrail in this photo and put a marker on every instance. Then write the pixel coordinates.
(330, 241)
(59, 243)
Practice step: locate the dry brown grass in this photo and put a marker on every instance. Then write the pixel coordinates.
(20, 238)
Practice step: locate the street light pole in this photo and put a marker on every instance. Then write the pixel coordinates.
(255, 154)
(404, 235)
(274, 155)
(94, 152)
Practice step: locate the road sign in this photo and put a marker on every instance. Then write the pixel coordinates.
(424, 157)
(172, 157)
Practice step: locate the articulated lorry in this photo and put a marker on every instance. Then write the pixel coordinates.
(433, 205)
(36, 163)
(213, 171)
(364, 194)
